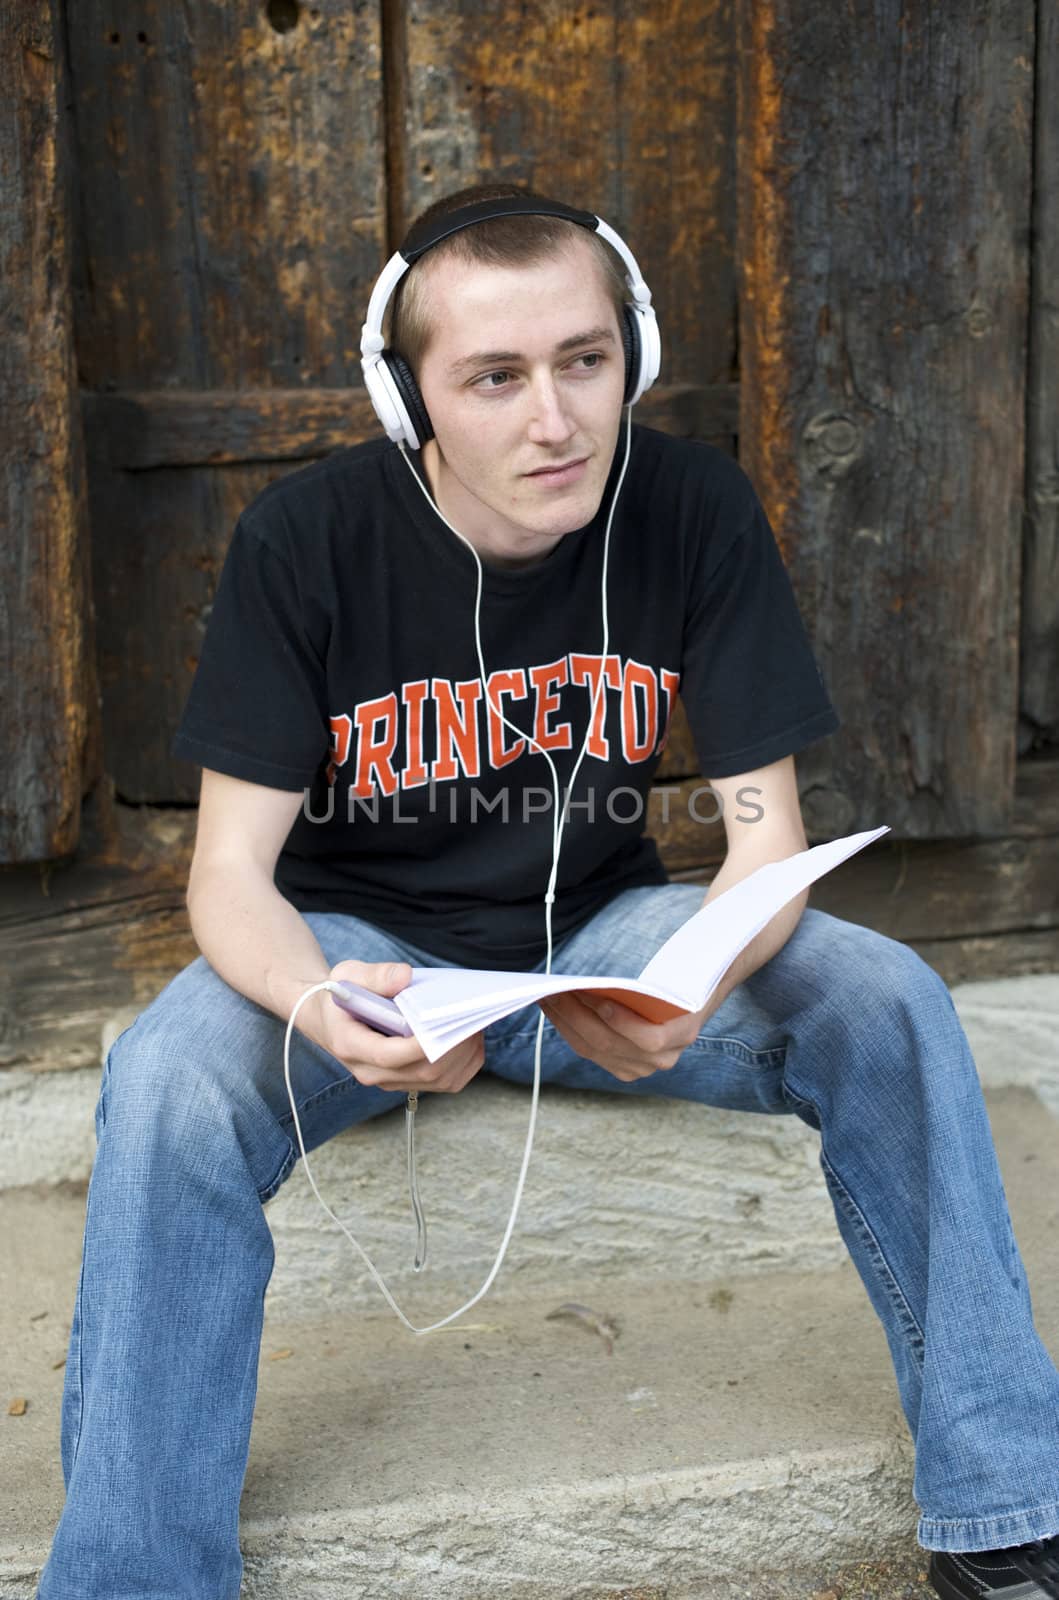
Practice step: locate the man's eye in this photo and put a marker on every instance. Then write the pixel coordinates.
(593, 359)
(493, 380)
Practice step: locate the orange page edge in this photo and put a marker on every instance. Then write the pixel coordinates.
(645, 1005)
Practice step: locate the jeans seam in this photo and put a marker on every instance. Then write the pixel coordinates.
(953, 1524)
(729, 1047)
(740, 1052)
(906, 1317)
(286, 1118)
(285, 1168)
(907, 1320)
(81, 1343)
(100, 1122)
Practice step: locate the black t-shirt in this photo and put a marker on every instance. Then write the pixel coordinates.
(340, 659)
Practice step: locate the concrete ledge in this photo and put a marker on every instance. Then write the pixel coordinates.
(715, 1193)
(47, 1132)
(511, 1458)
(650, 1189)
(1013, 1028)
(740, 1427)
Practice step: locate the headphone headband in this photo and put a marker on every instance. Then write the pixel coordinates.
(423, 237)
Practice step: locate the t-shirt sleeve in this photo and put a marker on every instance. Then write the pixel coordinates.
(750, 683)
(256, 709)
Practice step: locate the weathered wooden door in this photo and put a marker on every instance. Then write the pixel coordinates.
(832, 207)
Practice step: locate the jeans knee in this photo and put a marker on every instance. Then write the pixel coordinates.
(875, 1006)
(901, 1011)
(891, 973)
(182, 1077)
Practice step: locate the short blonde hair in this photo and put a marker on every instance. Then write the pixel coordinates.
(500, 242)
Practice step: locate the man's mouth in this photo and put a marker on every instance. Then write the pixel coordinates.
(562, 472)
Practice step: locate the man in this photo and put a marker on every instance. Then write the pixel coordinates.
(347, 659)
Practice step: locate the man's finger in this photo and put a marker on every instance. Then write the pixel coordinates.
(650, 1038)
(594, 1050)
(381, 977)
(603, 1023)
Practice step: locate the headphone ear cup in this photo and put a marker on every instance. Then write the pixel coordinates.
(647, 344)
(408, 389)
(630, 343)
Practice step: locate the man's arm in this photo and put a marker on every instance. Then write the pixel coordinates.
(762, 822)
(260, 945)
(248, 932)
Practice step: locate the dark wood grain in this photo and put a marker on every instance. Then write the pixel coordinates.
(1039, 698)
(233, 218)
(884, 203)
(232, 192)
(1005, 955)
(626, 109)
(49, 734)
(155, 573)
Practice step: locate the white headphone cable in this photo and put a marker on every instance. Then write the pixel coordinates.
(557, 827)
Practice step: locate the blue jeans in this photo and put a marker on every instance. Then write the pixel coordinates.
(849, 1030)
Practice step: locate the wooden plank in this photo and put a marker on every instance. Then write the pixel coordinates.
(894, 867)
(233, 215)
(1005, 955)
(232, 192)
(626, 109)
(111, 925)
(884, 292)
(1039, 698)
(154, 582)
(114, 925)
(49, 740)
(932, 889)
(143, 429)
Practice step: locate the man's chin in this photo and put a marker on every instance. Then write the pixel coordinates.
(567, 513)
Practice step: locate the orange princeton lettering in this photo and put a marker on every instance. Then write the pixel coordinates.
(375, 755)
(412, 697)
(639, 735)
(513, 683)
(457, 728)
(547, 704)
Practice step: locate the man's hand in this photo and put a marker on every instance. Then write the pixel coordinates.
(763, 822)
(376, 1059)
(616, 1038)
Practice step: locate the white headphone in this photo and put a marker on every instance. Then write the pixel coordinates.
(390, 382)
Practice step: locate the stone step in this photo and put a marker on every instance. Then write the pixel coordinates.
(742, 1438)
(715, 1192)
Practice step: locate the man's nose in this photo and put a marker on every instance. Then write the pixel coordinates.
(550, 422)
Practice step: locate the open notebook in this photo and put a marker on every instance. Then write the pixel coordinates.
(443, 1005)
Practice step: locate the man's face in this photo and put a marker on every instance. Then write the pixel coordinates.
(523, 377)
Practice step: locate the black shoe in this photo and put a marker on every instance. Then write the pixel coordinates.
(1022, 1572)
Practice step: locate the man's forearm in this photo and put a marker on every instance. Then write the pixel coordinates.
(764, 945)
(254, 938)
